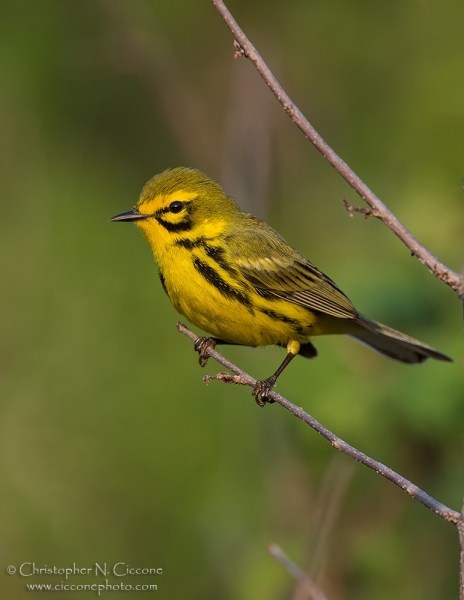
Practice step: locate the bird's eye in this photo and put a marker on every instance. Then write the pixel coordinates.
(176, 207)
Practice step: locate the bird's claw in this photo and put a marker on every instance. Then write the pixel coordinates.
(202, 344)
(262, 390)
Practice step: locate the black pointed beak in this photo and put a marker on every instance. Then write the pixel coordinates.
(130, 215)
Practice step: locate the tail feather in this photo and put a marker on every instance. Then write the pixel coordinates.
(394, 344)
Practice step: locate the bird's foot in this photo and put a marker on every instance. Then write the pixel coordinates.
(262, 390)
(202, 344)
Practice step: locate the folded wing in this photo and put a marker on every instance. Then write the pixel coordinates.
(276, 269)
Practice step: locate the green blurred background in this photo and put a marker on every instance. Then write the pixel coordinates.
(111, 447)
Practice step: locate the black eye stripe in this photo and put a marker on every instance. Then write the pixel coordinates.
(178, 206)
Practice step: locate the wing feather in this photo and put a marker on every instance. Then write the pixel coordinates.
(277, 270)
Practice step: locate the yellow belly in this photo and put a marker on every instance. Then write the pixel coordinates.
(259, 322)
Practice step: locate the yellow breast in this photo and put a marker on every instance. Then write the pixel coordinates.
(215, 299)
(210, 292)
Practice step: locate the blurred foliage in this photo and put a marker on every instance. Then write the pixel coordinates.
(111, 447)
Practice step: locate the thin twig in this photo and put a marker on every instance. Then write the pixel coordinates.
(367, 212)
(298, 573)
(246, 48)
(333, 490)
(407, 486)
(460, 526)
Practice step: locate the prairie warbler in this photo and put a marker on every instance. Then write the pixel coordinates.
(236, 278)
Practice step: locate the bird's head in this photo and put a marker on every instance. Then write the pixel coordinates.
(180, 203)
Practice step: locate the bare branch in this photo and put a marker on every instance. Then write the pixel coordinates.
(298, 573)
(367, 212)
(460, 526)
(246, 48)
(407, 486)
(225, 378)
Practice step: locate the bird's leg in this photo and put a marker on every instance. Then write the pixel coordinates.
(202, 344)
(264, 387)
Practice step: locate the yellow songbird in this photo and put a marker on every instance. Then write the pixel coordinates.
(236, 278)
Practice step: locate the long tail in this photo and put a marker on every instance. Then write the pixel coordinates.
(392, 343)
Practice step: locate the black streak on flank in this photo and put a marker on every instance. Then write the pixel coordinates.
(217, 254)
(214, 252)
(278, 317)
(222, 286)
(163, 283)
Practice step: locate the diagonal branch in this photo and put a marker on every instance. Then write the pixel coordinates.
(246, 48)
(407, 486)
(460, 526)
(298, 573)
